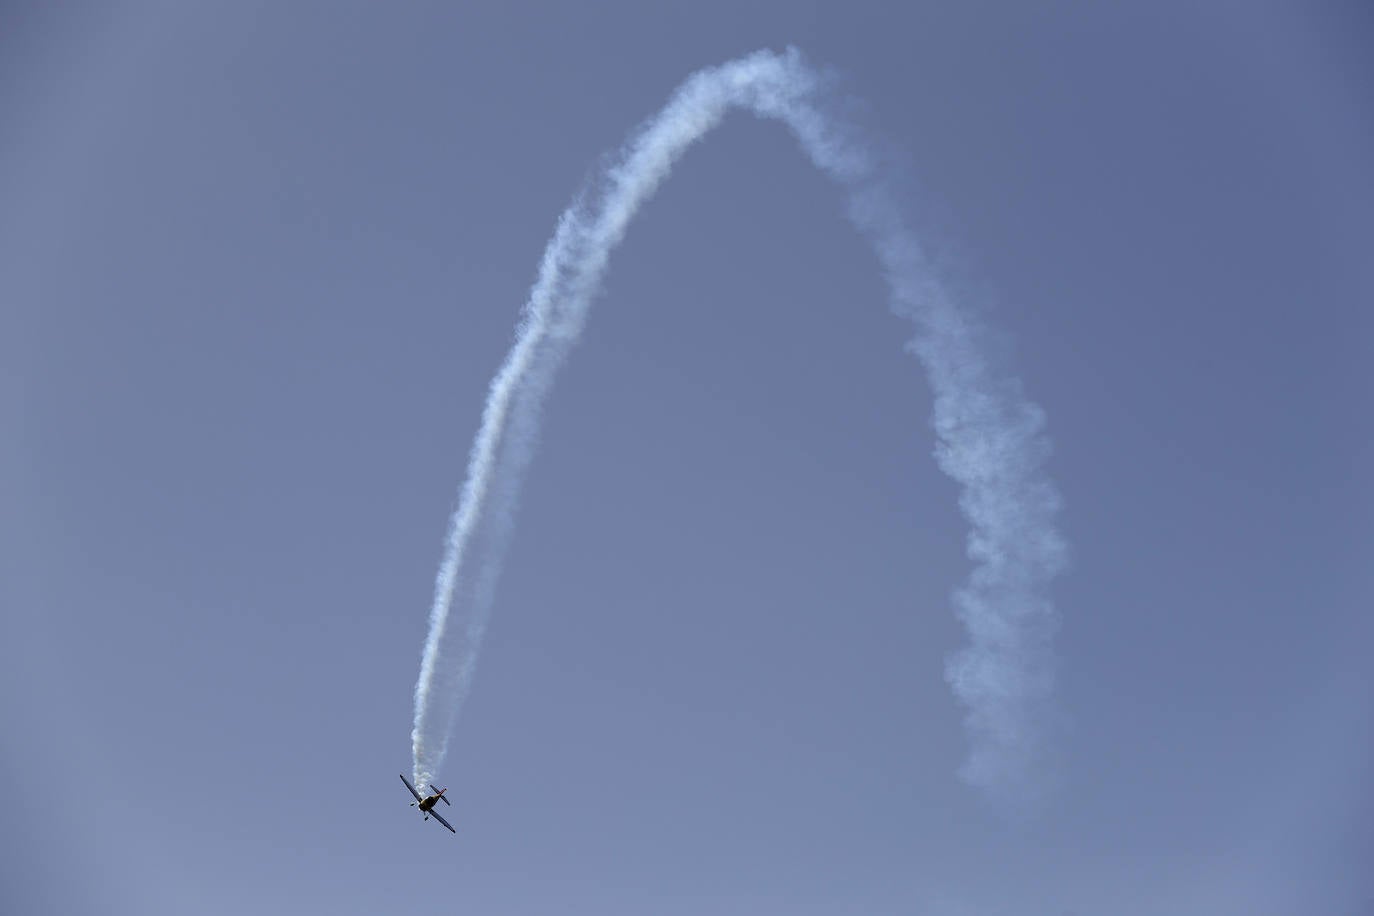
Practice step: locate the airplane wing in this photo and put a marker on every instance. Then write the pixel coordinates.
(435, 815)
(412, 789)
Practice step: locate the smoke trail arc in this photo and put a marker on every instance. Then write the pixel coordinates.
(989, 438)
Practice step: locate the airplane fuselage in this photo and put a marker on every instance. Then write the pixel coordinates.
(429, 803)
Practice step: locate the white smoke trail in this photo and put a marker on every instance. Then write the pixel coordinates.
(990, 439)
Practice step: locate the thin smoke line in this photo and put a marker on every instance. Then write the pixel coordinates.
(989, 437)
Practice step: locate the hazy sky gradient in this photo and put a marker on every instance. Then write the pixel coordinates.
(260, 261)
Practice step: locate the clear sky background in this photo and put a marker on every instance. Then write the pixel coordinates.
(258, 262)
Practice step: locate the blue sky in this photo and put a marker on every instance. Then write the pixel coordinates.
(260, 262)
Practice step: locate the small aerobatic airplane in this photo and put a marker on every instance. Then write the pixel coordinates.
(427, 803)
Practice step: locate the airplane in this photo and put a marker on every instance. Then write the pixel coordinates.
(427, 803)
